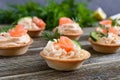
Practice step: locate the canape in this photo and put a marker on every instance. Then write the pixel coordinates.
(109, 24)
(64, 54)
(33, 25)
(106, 38)
(69, 28)
(14, 42)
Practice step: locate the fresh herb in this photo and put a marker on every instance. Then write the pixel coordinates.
(84, 15)
(96, 35)
(7, 27)
(116, 22)
(48, 35)
(101, 26)
(17, 11)
(50, 13)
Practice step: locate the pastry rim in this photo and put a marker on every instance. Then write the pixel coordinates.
(66, 60)
(21, 45)
(106, 45)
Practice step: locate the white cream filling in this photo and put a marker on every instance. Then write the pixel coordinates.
(111, 39)
(7, 40)
(117, 28)
(52, 50)
(70, 28)
(28, 24)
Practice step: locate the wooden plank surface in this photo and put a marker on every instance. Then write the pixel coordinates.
(95, 71)
(32, 66)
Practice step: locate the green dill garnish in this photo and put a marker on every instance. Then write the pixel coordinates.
(7, 27)
(48, 35)
(50, 13)
(100, 34)
(102, 26)
(114, 22)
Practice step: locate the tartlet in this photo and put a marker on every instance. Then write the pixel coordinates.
(103, 48)
(34, 25)
(64, 54)
(69, 28)
(105, 38)
(14, 42)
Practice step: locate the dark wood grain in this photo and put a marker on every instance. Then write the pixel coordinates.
(38, 42)
(102, 71)
(32, 66)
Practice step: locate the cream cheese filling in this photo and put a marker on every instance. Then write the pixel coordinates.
(6, 40)
(54, 51)
(69, 29)
(29, 24)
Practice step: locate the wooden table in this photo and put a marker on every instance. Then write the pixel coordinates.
(32, 67)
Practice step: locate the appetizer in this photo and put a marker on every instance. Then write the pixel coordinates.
(33, 25)
(106, 38)
(14, 42)
(64, 54)
(115, 24)
(69, 28)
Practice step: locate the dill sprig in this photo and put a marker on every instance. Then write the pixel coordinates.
(115, 22)
(48, 35)
(7, 27)
(50, 13)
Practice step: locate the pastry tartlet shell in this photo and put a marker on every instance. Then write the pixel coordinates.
(74, 37)
(64, 64)
(15, 50)
(34, 33)
(71, 35)
(104, 48)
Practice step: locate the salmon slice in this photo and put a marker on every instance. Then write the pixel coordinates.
(110, 30)
(66, 43)
(106, 22)
(104, 31)
(39, 22)
(64, 20)
(18, 31)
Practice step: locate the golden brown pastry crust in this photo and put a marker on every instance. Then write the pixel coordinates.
(65, 64)
(104, 48)
(70, 35)
(14, 50)
(34, 33)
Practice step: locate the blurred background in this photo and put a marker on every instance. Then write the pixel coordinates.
(111, 7)
(52, 10)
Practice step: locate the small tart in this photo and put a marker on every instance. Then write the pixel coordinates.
(33, 25)
(105, 38)
(65, 64)
(15, 50)
(104, 48)
(64, 55)
(34, 33)
(14, 42)
(69, 28)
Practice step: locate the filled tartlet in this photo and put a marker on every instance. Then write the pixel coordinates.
(105, 38)
(69, 28)
(14, 42)
(64, 54)
(115, 24)
(33, 25)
